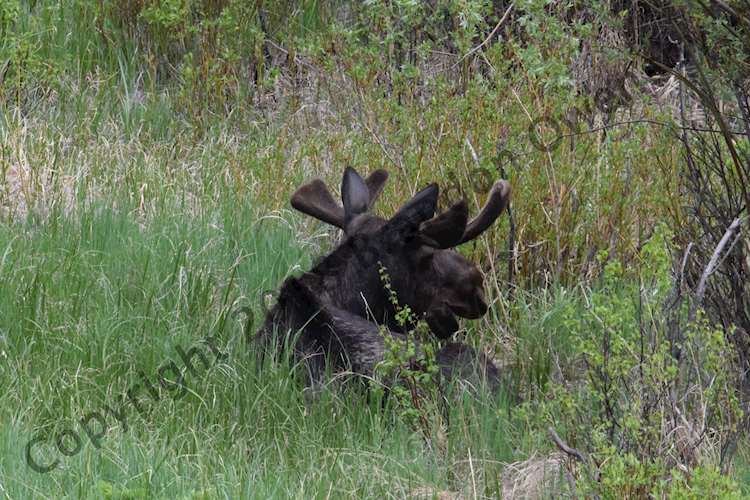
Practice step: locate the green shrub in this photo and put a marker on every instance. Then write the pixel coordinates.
(655, 395)
(409, 369)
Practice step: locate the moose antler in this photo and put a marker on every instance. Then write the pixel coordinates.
(497, 201)
(375, 184)
(445, 230)
(315, 199)
(450, 228)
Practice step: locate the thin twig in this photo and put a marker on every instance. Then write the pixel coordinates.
(489, 37)
(590, 469)
(387, 153)
(742, 103)
(297, 59)
(684, 262)
(473, 152)
(684, 134)
(647, 121)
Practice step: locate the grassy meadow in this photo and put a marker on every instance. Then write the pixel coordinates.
(147, 154)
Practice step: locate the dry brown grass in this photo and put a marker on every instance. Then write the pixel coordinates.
(538, 477)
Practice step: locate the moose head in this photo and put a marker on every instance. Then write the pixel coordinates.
(414, 246)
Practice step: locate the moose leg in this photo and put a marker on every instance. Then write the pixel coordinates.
(362, 343)
(314, 364)
(356, 342)
(460, 362)
(347, 342)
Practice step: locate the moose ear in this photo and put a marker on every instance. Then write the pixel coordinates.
(355, 194)
(447, 229)
(417, 210)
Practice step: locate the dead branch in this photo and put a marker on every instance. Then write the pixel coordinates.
(711, 267)
(565, 448)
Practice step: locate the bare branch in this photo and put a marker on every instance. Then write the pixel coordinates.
(711, 267)
(565, 448)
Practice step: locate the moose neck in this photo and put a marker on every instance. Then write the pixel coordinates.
(349, 278)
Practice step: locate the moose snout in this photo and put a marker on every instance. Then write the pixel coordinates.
(482, 307)
(472, 306)
(479, 307)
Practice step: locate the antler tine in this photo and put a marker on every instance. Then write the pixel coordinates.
(315, 199)
(375, 184)
(447, 229)
(497, 201)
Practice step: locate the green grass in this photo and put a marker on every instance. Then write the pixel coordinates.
(91, 301)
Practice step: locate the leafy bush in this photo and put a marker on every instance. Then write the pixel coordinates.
(655, 405)
(410, 369)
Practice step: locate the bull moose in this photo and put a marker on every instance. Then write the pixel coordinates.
(335, 312)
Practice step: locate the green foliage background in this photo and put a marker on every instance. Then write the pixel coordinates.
(147, 152)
